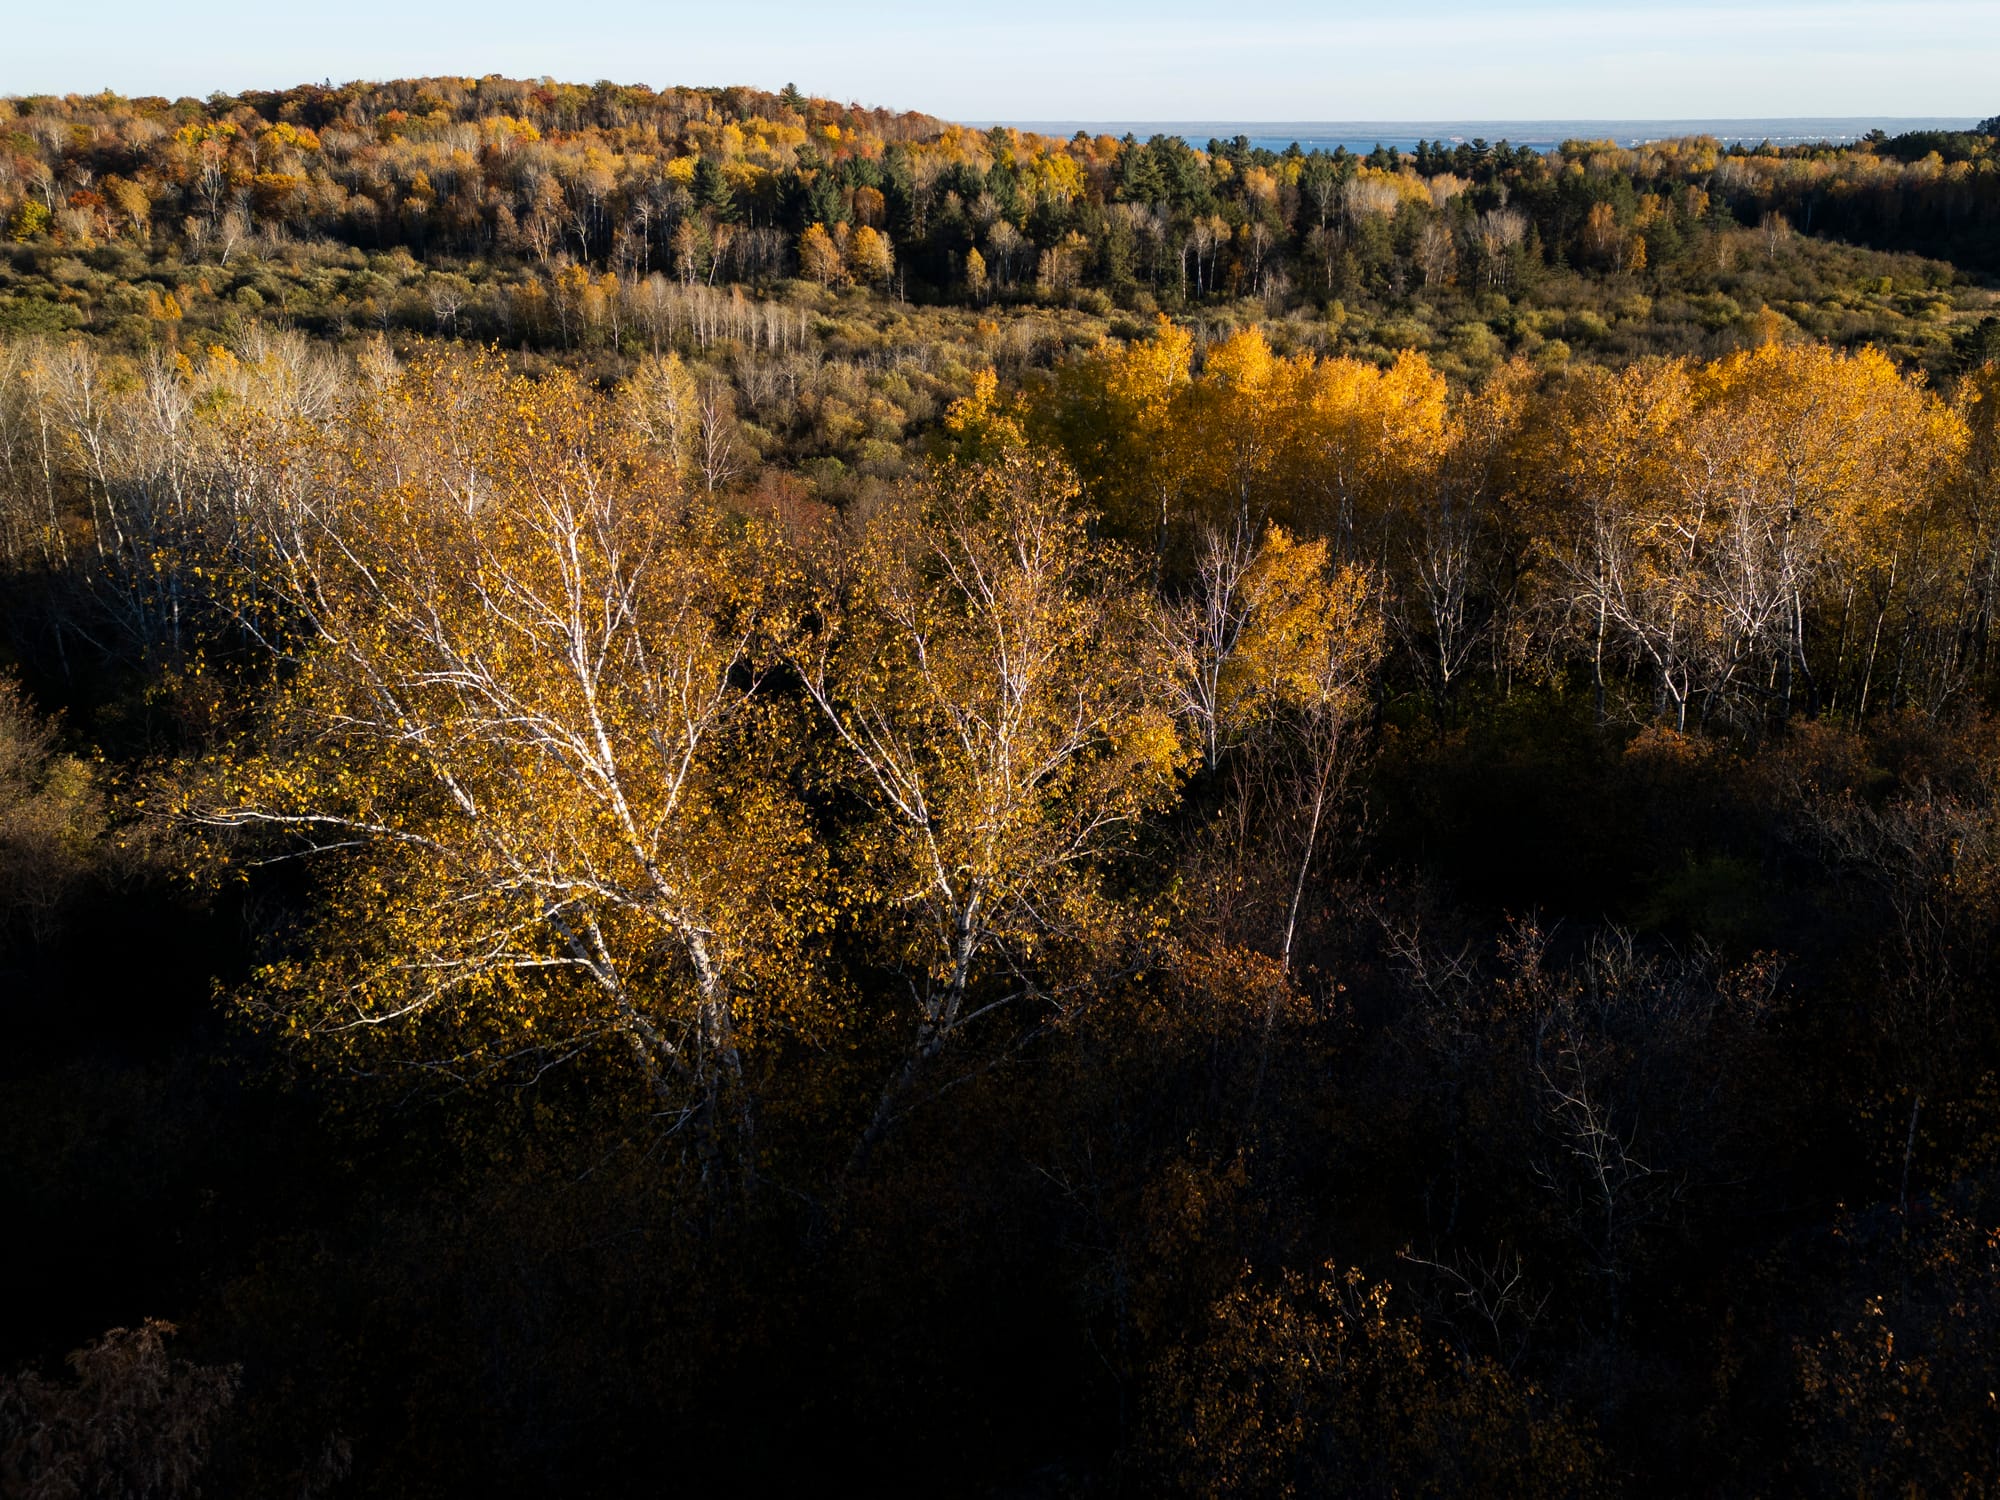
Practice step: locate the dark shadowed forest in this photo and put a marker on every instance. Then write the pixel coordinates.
(708, 790)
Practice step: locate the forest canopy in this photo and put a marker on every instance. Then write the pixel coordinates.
(697, 771)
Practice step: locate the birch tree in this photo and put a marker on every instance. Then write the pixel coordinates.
(518, 729)
(984, 669)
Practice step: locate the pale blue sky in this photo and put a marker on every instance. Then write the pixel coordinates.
(1112, 59)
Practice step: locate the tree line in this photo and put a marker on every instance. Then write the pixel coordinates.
(737, 185)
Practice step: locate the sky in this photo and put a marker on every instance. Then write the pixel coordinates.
(1126, 60)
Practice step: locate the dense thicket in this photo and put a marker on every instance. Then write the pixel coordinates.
(1031, 897)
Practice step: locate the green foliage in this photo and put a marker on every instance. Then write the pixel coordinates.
(29, 315)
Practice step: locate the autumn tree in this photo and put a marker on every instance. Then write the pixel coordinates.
(51, 815)
(1318, 1384)
(1310, 656)
(1713, 516)
(122, 475)
(1115, 415)
(519, 735)
(1592, 451)
(1241, 407)
(1323, 446)
(982, 425)
(1364, 441)
(870, 258)
(983, 667)
(1272, 653)
(1451, 546)
(663, 402)
(135, 1420)
(819, 257)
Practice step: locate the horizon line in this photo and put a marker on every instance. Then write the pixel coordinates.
(1498, 120)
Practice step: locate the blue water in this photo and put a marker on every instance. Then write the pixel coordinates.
(1363, 136)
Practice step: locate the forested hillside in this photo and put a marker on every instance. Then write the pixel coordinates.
(705, 789)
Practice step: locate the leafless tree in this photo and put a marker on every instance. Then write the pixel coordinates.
(721, 442)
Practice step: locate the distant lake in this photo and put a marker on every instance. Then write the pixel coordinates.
(1363, 136)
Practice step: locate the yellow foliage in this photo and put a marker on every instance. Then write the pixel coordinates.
(983, 667)
(869, 256)
(820, 259)
(1054, 176)
(1312, 636)
(1700, 514)
(521, 737)
(981, 425)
